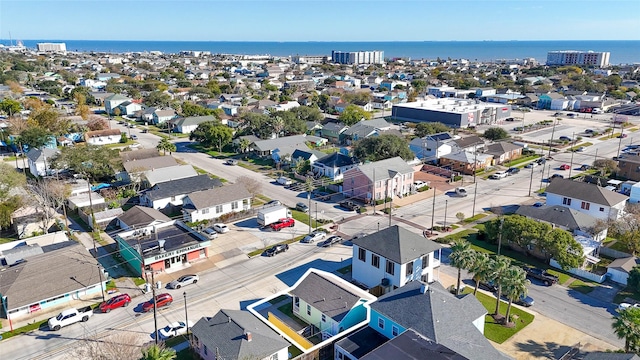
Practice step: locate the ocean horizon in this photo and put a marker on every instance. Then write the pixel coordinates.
(622, 51)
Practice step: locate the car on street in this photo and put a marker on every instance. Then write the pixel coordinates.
(532, 164)
(589, 131)
(183, 281)
(276, 249)
(518, 128)
(540, 274)
(488, 285)
(525, 301)
(557, 114)
(320, 195)
(571, 115)
(283, 223)
(273, 203)
(335, 239)
(232, 162)
(564, 138)
(624, 306)
(581, 149)
(284, 181)
(210, 233)
(498, 175)
(302, 207)
(313, 237)
(161, 300)
(174, 329)
(556, 176)
(134, 137)
(358, 235)
(349, 205)
(460, 191)
(622, 136)
(221, 228)
(564, 167)
(538, 204)
(115, 302)
(585, 167)
(541, 161)
(512, 171)
(509, 119)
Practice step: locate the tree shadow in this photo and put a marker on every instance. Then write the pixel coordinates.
(546, 350)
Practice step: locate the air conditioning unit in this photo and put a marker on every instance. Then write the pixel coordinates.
(385, 282)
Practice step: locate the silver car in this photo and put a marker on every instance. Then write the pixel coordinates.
(183, 281)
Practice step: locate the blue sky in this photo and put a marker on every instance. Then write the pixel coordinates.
(302, 20)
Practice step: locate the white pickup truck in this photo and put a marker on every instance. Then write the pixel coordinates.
(70, 316)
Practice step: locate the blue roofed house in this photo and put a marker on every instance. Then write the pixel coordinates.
(333, 165)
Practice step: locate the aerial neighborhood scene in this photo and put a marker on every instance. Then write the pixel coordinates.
(246, 192)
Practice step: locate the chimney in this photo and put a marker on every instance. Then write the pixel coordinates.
(161, 244)
(229, 319)
(248, 336)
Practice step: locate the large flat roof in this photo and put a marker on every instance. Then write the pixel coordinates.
(449, 105)
(175, 237)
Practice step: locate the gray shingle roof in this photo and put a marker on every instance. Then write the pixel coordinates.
(440, 317)
(397, 244)
(336, 160)
(193, 120)
(501, 147)
(328, 297)
(585, 192)
(469, 141)
(467, 157)
(226, 330)
(139, 216)
(559, 215)
(218, 196)
(624, 264)
(385, 169)
(36, 155)
(410, 345)
(283, 142)
(157, 162)
(156, 176)
(181, 186)
(138, 154)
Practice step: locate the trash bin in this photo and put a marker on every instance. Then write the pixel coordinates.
(147, 287)
(159, 284)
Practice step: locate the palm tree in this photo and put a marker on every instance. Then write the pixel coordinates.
(243, 145)
(500, 266)
(481, 268)
(461, 257)
(627, 325)
(158, 352)
(514, 282)
(166, 145)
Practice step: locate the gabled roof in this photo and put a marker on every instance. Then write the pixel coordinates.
(359, 130)
(397, 244)
(100, 133)
(336, 160)
(193, 120)
(181, 186)
(225, 333)
(138, 154)
(624, 264)
(166, 112)
(439, 316)
(334, 126)
(157, 162)
(36, 155)
(165, 174)
(585, 192)
(218, 196)
(410, 345)
(306, 154)
(282, 142)
(559, 215)
(467, 157)
(469, 141)
(501, 147)
(328, 297)
(385, 169)
(140, 216)
(117, 97)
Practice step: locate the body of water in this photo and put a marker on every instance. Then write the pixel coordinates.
(622, 51)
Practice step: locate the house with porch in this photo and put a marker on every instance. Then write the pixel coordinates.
(586, 198)
(333, 165)
(162, 116)
(186, 125)
(332, 130)
(213, 203)
(434, 146)
(171, 193)
(377, 180)
(466, 162)
(103, 137)
(503, 152)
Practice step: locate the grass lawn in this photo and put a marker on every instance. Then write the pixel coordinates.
(304, 218)
(620, 246)
(138, 281)
(6, 240)
(522, 160)
(496, 332)
(464, 234)
(25, 329)
(474, 218)
(584, 287)
(111, 285)
(287, 309)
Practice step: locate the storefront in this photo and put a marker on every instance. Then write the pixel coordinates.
(172, 260)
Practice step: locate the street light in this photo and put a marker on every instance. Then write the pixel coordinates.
(186, 316)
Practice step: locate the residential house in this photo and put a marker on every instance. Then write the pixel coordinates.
(140, 217)
(162, 116)
(129, 107)
(84, 199)
(470, 143)
(564, 218)
(466, 162)
(552, 101)
(138, 154)
(332, 130)
(629, 167)
(236, 334)
(409, 344)
(172, 192)
(333, 165)
(587, 198)
(283, 145)
(39, 161)
(284, 106)
(29, 220)
(456, 323)
(146, 115)
(378, 180)
(434, 146)
(305, 155)
(503, 152)
(133, 169)
(528, 100)
(112, 102)
(103, 137)
(188, 124)
(213, 203)
(169, 173)
(392, 257)
(230, 98)
(619, 269)
(364, 129)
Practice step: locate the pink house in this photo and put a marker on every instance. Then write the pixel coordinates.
(385, 178)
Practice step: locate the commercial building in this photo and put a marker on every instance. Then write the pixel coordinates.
(52, 47)
(457, 113)
(309, 59)
(357, 57)
(168, 246)
(573, 57)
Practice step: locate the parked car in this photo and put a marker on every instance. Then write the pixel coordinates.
(273, 203)
(571, 115)
(419, 184)
(624, 306)
(525, 301)
(564, 138)
(320, 195)
(489, 286)
(144, 131)
(512, 171)
(161, 300)
(532, 164)
(183, 281)
(134, 137)
(585, 167)
(69, 317)
(564, 167)
(460, 191)
(313, 237)
(302, 207)
(174, 329)
(589, 131)
(509, 119)
(232, 162)
(541, 161)
(221, 228)
(284, 181)
(349, 205)
(276, 249)
(283, 223)
(581, 149)
(540, 274)
(210, 233)
(335, 239)
(498, 175)
(622, 136)
(556, 176)
(115, 302)
(538, 204)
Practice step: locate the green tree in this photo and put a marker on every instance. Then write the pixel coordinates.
(243, 145)
(495, 133)
(96, 162)
(48, 118)
(481, 268)
(563, 248)
(191, 109)
(382, 147)
(514, 285)
(257, 125)
(214, 87)
(157, 99)
(10, 106)
(633, 282)
(627, 326)
(9, 179)
(352, 114)
(35, 137)
(158, 352)
(606, 166)
(165, 145)
(501, 265)
(427, 128)
(306, 113)
(461, 257)
(211, 133)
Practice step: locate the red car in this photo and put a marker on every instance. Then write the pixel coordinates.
(115, 302)
(283, 223)
(564, 167)
(161, 300)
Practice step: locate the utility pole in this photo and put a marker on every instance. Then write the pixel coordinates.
(552, 133)
(433, 209)
(572, 152)
(155, 309)
(500, 236)
(186, 315)
(475, 193)
(619, 143)
(530, 181)
(390, 207)
(445, 214)
(316, 215)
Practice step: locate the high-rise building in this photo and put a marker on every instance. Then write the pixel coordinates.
(358, 57)
(52, 47)
(573, 57)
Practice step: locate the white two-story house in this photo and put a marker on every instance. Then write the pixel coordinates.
(213, 203)
(392, 257)
(587, 198)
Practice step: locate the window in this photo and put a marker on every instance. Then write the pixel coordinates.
(585, 205)
(566, 201)
(274, 357)
(308, 309)
(375, 261)
(381, 323)
(296, 301)
(245, 202)
(409, 269)
(218, 209)
(234, 205)
(362, 254)
(340, 356)
(425, 262)
(390, 267)
(205, 211)
(601, 209)
(394, 330)
(324, 318)
(205, 349)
